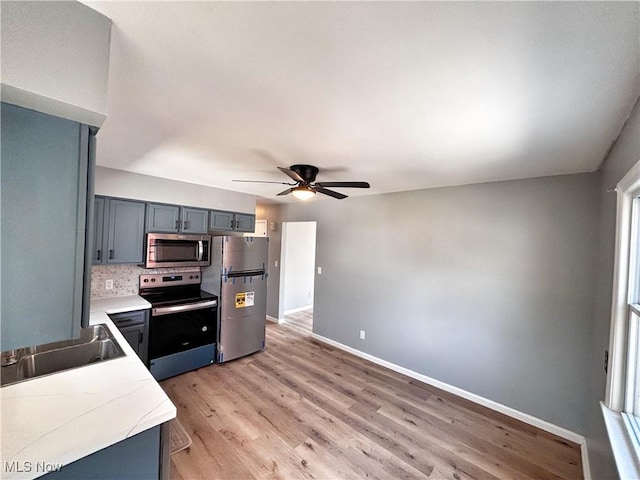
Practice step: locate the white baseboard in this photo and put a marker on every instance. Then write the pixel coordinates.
(498, 407)
(299, 309)
(586, 465)
(274, 319)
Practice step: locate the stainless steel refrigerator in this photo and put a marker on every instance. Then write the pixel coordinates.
(238, 275)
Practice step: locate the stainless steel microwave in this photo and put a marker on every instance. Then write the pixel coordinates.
(177, 250)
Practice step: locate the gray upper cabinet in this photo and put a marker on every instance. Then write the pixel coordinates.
(194, 220)
(122, 239)
(245, 222)
(173, 218)
(44, 181)
(125, 235)
(222, 221)
(163, 218)
(98, 230)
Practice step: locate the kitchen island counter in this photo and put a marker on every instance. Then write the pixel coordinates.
(57, 419)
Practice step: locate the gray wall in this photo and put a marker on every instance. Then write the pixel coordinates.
(55, 59)
(298, 264)
(485, 287)
(118, 183)
(272, 213)
(624, 154)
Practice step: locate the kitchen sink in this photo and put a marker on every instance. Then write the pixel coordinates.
(53, 361)
(95, 344)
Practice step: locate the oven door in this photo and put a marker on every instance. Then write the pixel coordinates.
(182, 327)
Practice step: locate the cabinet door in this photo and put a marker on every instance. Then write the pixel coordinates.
(245, 222)
(134, 326)
(125, 231)
(135, 458)
(220, 221)
(194, 220)
(163, 218)
(134, 336)
(97, 255)
(43, 209)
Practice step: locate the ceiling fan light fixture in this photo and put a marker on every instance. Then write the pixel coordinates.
(303, 192)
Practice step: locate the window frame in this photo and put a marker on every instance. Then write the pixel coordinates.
(621, 396)
(627, 190)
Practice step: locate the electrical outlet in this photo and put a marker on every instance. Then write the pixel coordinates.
(108, 284)
(275, 264)
(361, 334)
(319, 270)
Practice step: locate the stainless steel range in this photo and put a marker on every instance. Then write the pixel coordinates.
(183, 325)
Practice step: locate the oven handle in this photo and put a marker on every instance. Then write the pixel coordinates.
(183, 308)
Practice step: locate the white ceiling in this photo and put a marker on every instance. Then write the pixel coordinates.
(403, 95)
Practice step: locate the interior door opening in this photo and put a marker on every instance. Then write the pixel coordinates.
(297, 277)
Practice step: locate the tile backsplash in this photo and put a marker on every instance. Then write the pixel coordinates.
(125, 278)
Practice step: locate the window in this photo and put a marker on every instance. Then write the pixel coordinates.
(621, 407)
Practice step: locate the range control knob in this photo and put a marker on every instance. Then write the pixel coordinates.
(190, 277)
(153, 279)
(146, 280)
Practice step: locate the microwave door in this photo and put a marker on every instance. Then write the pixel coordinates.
(171, 251)
(175, 252)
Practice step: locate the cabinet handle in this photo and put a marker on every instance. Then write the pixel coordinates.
(110, 254)
(237, 224)
(140, 335)
(99, 255)
(125, 321)
(186, 225)
(177, 224)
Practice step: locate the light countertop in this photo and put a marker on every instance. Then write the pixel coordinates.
(58, 419)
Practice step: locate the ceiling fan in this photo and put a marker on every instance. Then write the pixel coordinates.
(306, 186)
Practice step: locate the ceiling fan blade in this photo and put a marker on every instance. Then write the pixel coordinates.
(344, 184)
(285, 192)
(292, 174)
(262, 181)
(331, 193)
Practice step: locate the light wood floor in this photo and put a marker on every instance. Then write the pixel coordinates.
(302, 409)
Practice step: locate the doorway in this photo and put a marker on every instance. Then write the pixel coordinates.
(297, 274)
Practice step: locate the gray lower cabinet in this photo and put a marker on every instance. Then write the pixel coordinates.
(222, 221)
(134, 327)
(173, 218)
(122, 224)
(44, 182)
(141, 457)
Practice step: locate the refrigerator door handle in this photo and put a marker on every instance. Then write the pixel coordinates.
(245, 273)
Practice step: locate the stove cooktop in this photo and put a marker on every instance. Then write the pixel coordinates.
(176, 296)
(175, 288)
